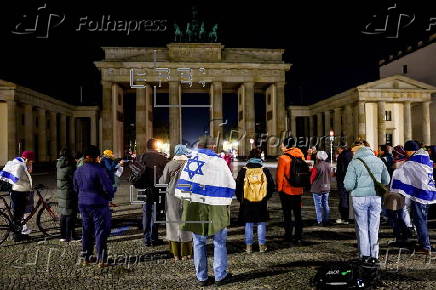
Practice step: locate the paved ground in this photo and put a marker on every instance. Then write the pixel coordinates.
(50, 264)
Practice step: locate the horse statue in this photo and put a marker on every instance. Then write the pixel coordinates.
(201, 32)
(177, 33)
(188, 31)
(213, 34)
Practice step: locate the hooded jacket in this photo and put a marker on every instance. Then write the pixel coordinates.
(284, 170)
(358, 181)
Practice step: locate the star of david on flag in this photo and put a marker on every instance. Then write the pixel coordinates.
(198, 171)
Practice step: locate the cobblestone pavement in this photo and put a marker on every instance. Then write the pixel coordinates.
(43, 264)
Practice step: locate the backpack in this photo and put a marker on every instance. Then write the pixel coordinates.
(5, 186)
(138, 174)
(255, 184)
(299, 173)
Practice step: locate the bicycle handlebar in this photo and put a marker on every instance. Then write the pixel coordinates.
(39, 187)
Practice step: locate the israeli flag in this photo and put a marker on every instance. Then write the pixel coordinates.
(207, 179)
(10, 172)
(414, 179)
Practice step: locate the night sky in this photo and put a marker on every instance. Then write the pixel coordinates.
(322, 39)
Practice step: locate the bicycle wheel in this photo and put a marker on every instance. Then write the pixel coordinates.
(5, 227)
(48, 220)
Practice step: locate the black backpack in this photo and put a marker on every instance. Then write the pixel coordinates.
(5, 186)
(138, 172)
(300, 173)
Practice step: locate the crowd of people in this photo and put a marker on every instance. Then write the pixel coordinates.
(393, 183)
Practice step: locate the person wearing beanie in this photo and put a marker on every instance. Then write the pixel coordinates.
(320, 180)
(254, 187)
(180, 242)
(415, 180)
(366, 202)
(95, 191)
(17, 173)
(111, 167)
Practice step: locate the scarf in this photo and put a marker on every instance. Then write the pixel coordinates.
(255, 160)
(399, 154)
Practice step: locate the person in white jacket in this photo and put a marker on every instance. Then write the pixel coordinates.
(16, 173)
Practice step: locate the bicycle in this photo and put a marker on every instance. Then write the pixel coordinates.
(47, 218)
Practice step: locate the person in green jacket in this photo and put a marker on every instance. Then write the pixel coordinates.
(67, 198)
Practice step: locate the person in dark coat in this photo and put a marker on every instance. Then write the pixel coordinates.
(150, 159)
(67, 197)
(111, 166)
(254, 212)
(95, 190)
(345, 156)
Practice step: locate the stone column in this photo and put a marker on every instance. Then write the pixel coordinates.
(281, 110)
(327, 123)
(42, 135)
(426, 122)
(319, 129)
(249, 115)
(94, 129)
(141, 121)
(53, 136)
(381, 111)
(310, 126)
(216, 111)
(361, 117)
(338, 122)
(271, 120)
(107, 115)
(28, 127)
(11, 128)
(72, 137)
(63, 130)
(407, 121)
(174, 114)
(348, 124)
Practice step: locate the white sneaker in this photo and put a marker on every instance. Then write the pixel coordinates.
(62, 240)
(26, 230)
(341, 221)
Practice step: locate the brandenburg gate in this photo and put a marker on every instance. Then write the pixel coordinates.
(191, 68)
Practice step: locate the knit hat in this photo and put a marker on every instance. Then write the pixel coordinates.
(411, 146)
(321, 155)
(92, 151)
(27, 155)
(181, 149)
(108, 152)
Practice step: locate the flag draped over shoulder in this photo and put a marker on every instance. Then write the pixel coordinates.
(206, 178)
(414, 179)
(11, 171)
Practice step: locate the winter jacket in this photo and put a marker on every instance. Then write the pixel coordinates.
(358, 181)
(322, 177)
(173, 204)
(150, 159)
(15, 173)
(341, 166)
(284, 170)
(253, 212)
(67, 197)
(93, 185)
(111, 167)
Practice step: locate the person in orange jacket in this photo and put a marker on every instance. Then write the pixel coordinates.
(290, 196)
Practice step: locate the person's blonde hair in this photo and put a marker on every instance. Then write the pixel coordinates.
(360, 142)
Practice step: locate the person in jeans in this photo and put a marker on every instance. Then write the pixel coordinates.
(17, 174)
(151, 159)
(320, 179)
(206, 186)
(366, 203)
(95, 191)
(254, 210)
(290, 196)
(344, 158)
(415, 180)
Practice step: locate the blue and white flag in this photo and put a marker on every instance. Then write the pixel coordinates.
(414, 179)
(206, 178)
(11, 171)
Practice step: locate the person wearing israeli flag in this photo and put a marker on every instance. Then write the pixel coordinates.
(414, 179)
(207, 187)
